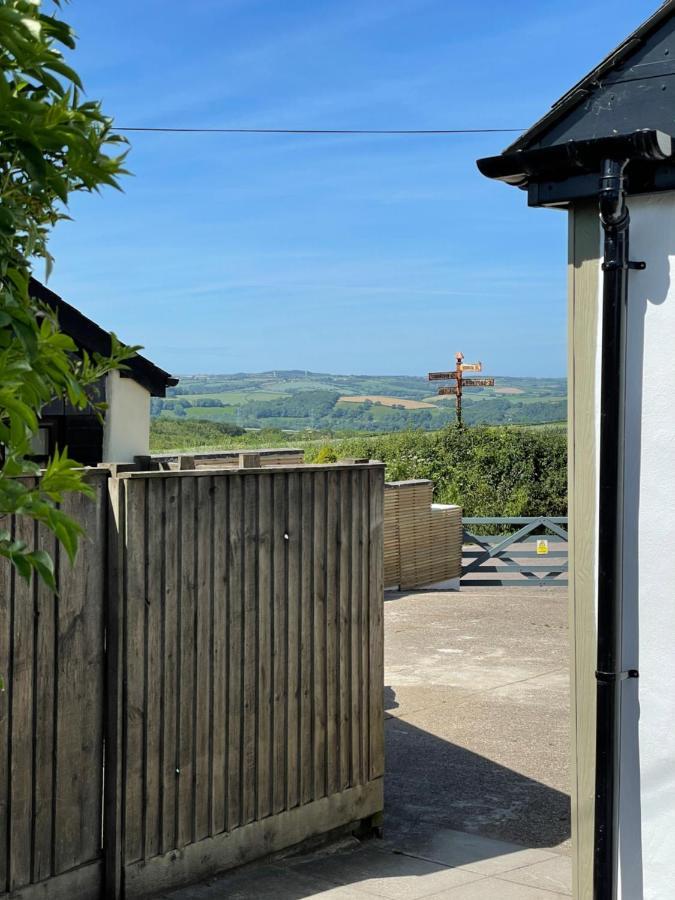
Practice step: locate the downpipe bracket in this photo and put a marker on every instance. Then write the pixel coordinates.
(612, 677)
(614, 266)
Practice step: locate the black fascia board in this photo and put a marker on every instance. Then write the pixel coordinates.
(563, 173)
(91, 337)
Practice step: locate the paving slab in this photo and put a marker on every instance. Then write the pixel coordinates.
(472, 853)
(495, 889)
(553, 874)
(385, 874)
(480, 739)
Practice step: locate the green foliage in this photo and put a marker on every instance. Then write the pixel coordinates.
(303, 405)
(486, 471)
(169, 434)
(172, 434)
(496, 471)
(326, 454)
(51, 145)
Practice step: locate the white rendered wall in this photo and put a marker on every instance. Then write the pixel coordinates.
(647, 808)
(126, 430)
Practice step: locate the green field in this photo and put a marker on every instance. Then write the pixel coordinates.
(300, 400)
(236, 398)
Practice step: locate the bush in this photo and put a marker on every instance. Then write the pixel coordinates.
(326, 454)
(486, 471)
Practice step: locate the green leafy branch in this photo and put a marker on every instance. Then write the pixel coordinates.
(52, 144)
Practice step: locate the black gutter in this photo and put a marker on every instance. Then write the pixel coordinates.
(608, 158)
(563, 161)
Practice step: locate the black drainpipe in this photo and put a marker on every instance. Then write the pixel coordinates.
(609, 675)
(609, 156)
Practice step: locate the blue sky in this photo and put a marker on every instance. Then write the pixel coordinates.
(343, 254)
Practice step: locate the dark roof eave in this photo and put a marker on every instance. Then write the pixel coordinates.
(94, 339)
(645, 148)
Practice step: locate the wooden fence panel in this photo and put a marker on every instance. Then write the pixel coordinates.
(224, 459)
(51, 714)
(252, 608)
(423, 540)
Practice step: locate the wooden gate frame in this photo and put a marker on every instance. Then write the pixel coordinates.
(495, 547)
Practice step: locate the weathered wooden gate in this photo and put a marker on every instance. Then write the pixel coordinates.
(51, 715)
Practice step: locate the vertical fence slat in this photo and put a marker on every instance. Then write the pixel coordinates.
(94, 517)
(203, 660)
(171, 538)
(250, 601)
(306, 639)
(356, 601)
(220, 654)
(21, 730)
(344, 625)
(134, 662)
(80, 689)
(186, 637)
(376, 598)
(332, 632)
(365, 626)
(279, 641)
(319, 601)
(235, 772)
(44, 715)
(265, 600)
(294, 530)
(154, 662)
(114, 601)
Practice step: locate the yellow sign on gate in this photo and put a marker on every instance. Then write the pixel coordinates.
(542, 548)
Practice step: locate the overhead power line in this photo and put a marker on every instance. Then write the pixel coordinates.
(318, 131)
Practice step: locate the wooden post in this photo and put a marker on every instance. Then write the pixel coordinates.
(113, 780)
(249, 460)
(458, 395)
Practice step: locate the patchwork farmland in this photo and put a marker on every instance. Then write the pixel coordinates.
(297, 401)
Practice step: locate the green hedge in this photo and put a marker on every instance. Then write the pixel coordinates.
(487, 471)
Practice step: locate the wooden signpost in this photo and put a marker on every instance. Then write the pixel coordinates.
(457, 375)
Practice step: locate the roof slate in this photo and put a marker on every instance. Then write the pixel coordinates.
(633, 87)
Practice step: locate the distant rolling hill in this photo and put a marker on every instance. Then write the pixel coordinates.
(297, 401)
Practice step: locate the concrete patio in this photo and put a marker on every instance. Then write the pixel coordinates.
(477, 729)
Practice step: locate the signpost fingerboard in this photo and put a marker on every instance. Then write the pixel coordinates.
(478, 382)
(458, 375)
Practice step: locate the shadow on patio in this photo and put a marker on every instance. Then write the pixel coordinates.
(477, 722)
